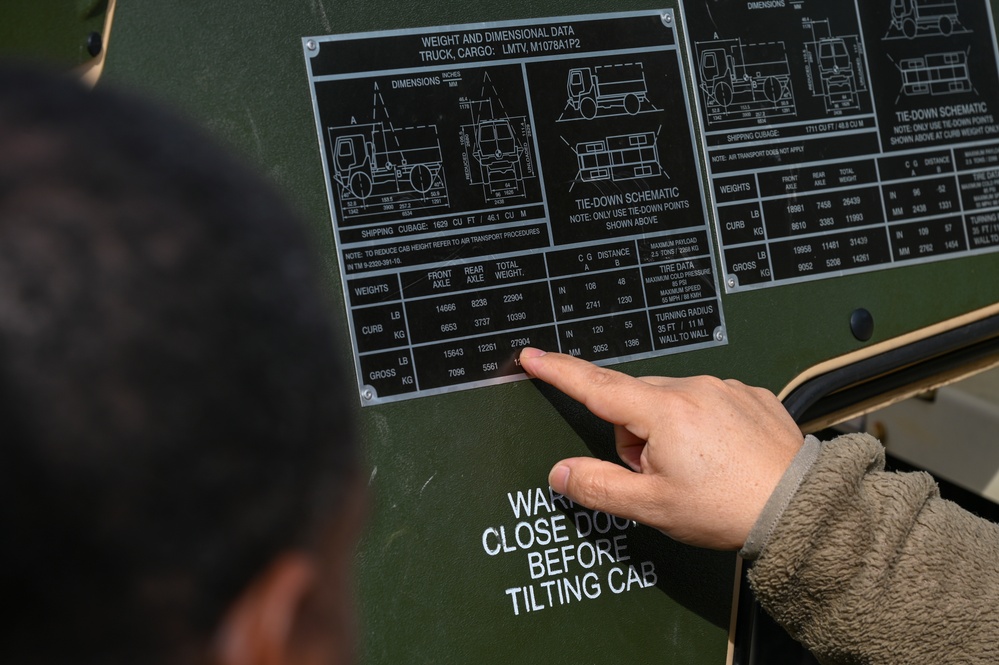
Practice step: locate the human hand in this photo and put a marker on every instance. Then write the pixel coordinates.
(705, 454)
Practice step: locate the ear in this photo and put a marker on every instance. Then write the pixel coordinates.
(259, 628)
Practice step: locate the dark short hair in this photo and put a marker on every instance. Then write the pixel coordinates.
(172, 410)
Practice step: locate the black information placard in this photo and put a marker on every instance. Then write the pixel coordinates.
(494, 186)
(846, 135)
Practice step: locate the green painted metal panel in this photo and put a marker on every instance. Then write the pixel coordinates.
(55, 32)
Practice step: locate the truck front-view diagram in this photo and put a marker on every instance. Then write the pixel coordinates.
(834, 67)
(497, 146)
(498, 152)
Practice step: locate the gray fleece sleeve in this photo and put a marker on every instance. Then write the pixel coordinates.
(869, 567)
(777, 503)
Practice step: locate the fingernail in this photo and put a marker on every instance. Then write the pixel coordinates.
(559, 478)
(529, 352)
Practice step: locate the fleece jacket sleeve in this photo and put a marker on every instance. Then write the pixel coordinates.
(868, 567)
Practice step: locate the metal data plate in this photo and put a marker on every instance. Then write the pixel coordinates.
(499, 185)
(847, 136)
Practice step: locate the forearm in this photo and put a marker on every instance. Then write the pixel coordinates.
(865, 566)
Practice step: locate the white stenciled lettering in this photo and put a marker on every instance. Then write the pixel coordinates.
(571, 554)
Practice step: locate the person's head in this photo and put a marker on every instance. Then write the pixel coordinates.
(178, 468)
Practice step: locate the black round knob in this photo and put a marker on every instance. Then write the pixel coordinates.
(95, 43)
(862, 324)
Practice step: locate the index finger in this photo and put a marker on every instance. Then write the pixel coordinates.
(608, 394)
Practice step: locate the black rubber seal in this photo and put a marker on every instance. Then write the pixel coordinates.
(912, 364)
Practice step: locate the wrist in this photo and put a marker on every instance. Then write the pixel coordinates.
(779, 499)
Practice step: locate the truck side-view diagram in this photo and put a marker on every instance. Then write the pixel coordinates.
(380, 167)
(376, 158)
(737, 78)
(835, 68)
(914, 18)
(622, 157)
(935, 74)
(607, 89)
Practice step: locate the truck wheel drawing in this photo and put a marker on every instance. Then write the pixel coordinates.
(916, 18)
(401, 167)
(621, 157)
(935, 74)
(606, 90)
(740, 81)
(835, 67)
(497, 147)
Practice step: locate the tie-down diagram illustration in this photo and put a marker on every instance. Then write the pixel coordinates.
(924, 18)
(610, 90)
